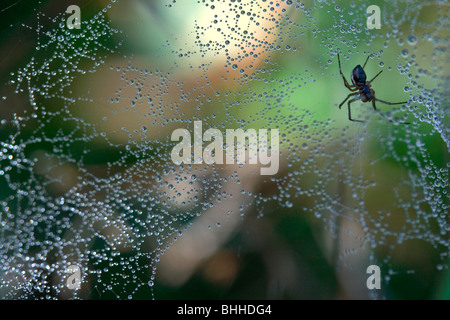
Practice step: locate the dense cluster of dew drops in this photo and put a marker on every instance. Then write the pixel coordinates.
(116, 217)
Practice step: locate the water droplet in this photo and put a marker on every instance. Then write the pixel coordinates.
(411, 39)
(419, 143)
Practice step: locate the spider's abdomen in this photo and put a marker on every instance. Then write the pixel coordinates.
(358, 76)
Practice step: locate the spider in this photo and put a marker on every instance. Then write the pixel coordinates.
(362, 88)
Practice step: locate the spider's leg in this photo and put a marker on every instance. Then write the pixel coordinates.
(365, 62)
(373, 104)
(386, 102)
(350, 87)
(375, 77)
(375, 108)
(350, 112)
(351, 94)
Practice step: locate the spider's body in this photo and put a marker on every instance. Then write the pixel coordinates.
(362, 88)
(358, 76)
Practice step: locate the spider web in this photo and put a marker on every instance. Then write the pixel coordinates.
(86, 174)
